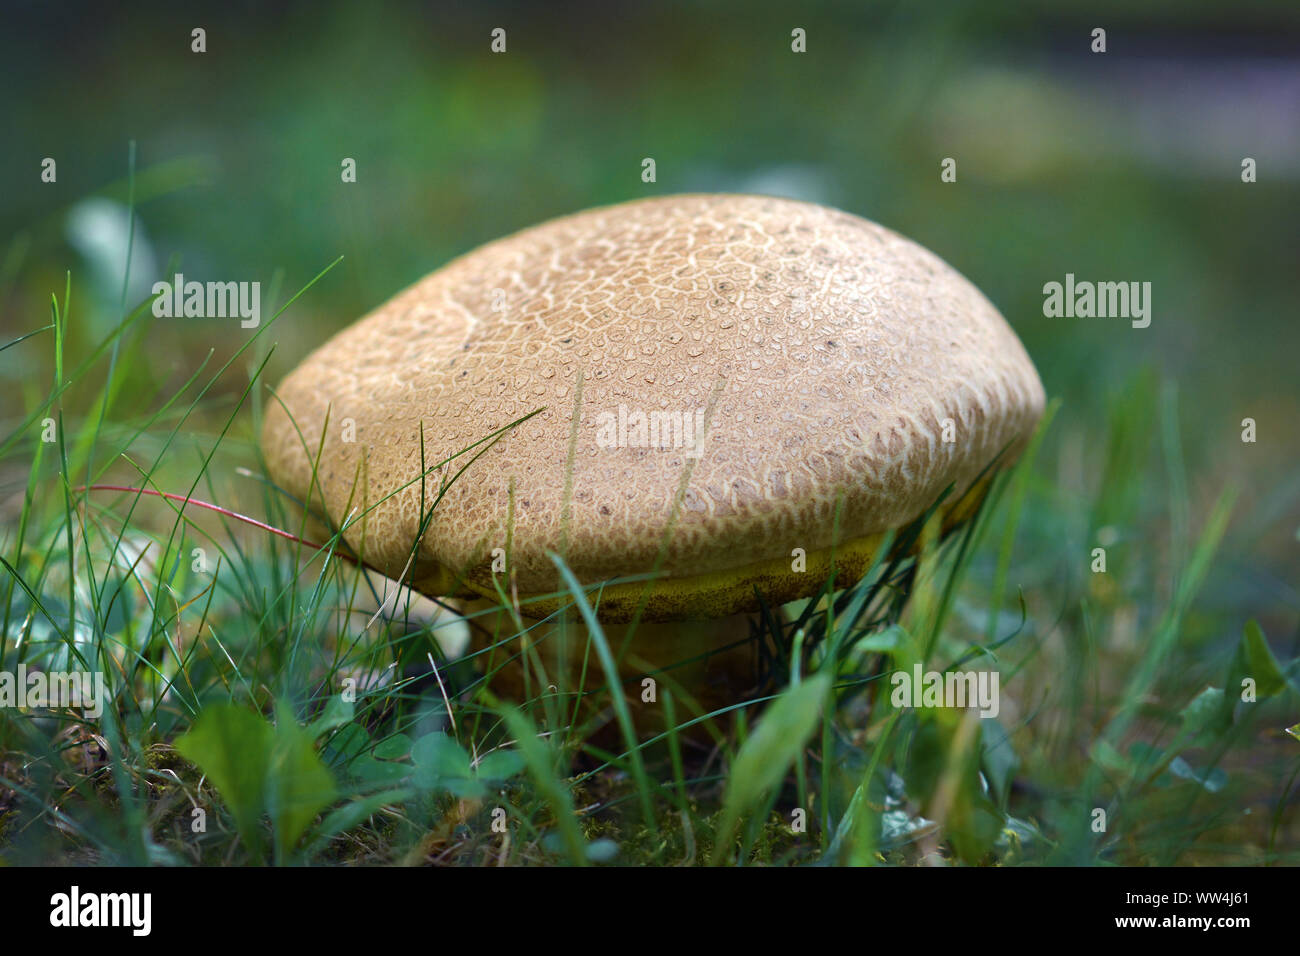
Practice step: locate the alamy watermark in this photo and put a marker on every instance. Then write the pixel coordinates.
(133, 911)
(1102, 300)
(665, 428)
(977, 689)
(26, 689)
(208, 300)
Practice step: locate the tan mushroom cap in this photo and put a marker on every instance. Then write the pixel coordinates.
(826, 353)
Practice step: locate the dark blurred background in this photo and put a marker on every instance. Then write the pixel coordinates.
(1123, 166)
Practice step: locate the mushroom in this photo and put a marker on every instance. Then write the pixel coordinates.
(731, 389)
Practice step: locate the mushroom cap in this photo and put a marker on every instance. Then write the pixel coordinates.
(844, 376)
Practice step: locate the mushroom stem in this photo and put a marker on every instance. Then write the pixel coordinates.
(706, 665)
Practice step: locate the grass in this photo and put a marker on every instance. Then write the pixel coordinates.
(266, 704)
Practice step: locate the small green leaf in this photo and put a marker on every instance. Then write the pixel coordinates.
(998, 760)
(348, 744)
(395, 747)
(337, 713)
(259, 768)
(299, 785)
(1210, 712)
(232, 746)
(769, 752)
(1259, 662)
(1212, 780)
(928, 754)
(887, 641)
(973, 825)
(441, 762)
(499, 765)
(466, 789)
(378, 773)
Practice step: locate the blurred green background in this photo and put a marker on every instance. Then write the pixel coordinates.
(1122, 166)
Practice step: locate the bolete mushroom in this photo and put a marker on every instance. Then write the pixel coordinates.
(726, 383)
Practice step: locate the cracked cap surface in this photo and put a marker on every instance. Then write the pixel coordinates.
(826, 354)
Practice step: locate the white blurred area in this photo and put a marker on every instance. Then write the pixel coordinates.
(100, 231)
(384, 600)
